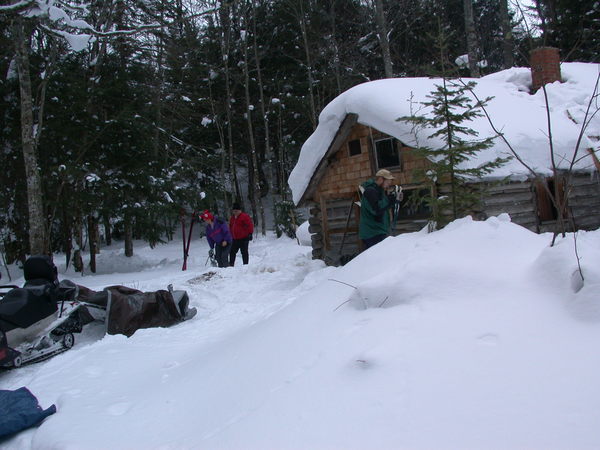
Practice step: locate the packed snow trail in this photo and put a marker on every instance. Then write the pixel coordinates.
(227, 300)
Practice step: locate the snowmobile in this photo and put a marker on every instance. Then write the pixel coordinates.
(39, 320)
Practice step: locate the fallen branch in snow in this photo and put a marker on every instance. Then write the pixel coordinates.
(578, 257)
(383, 302)
(341, 282)
(339, 306)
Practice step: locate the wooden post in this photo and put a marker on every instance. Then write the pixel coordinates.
(324, 222)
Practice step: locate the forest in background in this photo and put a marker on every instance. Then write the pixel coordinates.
(116, 114)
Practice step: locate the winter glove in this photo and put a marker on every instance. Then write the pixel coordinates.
(399, 194)
(250, 237)
(211, 253)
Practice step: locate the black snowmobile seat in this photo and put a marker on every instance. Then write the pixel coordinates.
(36, 300)
(21, 308)
(40, 267)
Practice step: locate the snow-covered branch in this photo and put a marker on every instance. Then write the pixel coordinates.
(17, 8)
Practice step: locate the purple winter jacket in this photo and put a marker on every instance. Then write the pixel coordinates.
(218, 232)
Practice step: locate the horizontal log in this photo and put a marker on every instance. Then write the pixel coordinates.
(508, 188)
(588, 223)
(338, 202)
(510, 209)
(579, 211)
(351, 229)
(341, 222)
(315, 229)
(338, 237)
(314, 221)
(520, 198)
(584, 197)
(586, 179)
(317, 237)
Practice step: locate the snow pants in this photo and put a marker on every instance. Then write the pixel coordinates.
(222, 254)
(374, 240)
(239, 244)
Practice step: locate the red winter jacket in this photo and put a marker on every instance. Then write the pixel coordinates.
(241, 227)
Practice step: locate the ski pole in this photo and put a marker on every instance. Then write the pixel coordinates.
(182, 218)
(189, 239)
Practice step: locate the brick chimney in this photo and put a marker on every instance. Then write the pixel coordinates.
(545, 66)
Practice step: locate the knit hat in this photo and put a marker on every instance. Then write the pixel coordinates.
(236, 205)
(207, 215)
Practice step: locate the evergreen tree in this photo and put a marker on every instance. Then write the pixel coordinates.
(451, 163)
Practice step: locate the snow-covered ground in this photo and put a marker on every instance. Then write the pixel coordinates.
(479, 336)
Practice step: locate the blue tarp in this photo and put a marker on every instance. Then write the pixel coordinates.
(20, 410)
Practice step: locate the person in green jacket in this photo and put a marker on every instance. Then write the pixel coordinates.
(374, 224)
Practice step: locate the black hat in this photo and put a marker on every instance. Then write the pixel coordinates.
(236, 205)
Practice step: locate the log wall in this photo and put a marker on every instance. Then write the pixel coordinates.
(584, 200)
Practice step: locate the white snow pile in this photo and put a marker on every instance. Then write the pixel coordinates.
(521, 117)
(480, 335)
(303, 234)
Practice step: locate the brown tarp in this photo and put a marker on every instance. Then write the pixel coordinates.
(128, 310)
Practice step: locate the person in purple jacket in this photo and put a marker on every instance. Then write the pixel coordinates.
(219, 238)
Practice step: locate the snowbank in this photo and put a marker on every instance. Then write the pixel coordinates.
(303, 234)
(516, 113)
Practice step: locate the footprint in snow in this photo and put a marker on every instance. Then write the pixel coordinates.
(488, 339)
(118, 409)
(93, 371)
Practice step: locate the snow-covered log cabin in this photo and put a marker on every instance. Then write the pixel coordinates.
(358, 133)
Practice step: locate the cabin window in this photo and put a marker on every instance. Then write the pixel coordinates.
(354, 147)
(387, 154)
(546, 207)
(413, 207)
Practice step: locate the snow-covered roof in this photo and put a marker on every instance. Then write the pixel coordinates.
(520, 116)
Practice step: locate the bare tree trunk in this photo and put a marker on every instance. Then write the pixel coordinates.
(93, 241)
(38, 242)
(128, 236)
(107, 230)
(255, 197)
(222, 144)
(78, 229)
(311, 81)
(67, 236)
(384, 40)
(336, 50)
(224, 15)
(507, 36)
(265, 116)
(281, 155)
(158, 94)
(471, 38)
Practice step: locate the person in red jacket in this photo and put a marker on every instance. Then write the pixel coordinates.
(241, 228)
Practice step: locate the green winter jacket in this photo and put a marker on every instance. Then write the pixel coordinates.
(374, 216)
